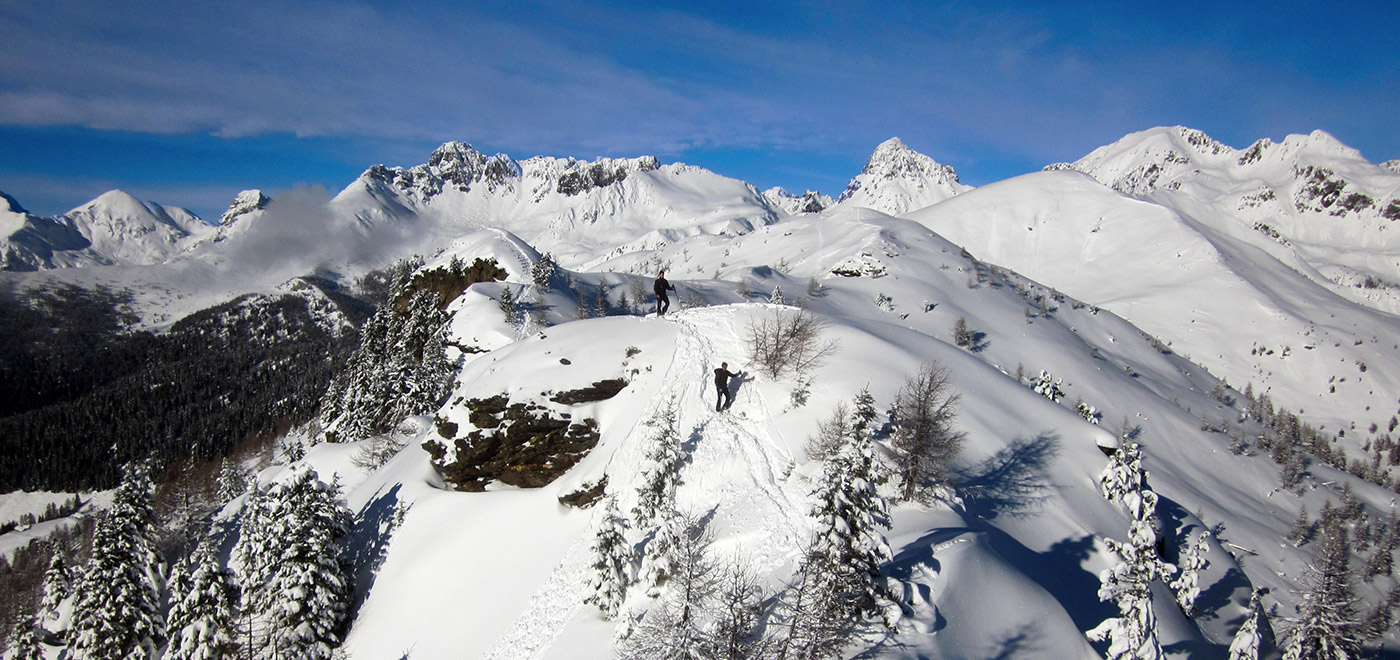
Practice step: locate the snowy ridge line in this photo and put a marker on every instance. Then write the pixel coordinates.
(520, 257)
(550, 609)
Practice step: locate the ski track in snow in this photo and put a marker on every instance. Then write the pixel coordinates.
(762, 507)
(550, 609)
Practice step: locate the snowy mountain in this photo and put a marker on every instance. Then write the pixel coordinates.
(1310, 201)
(115, 228)
(897, 179)
(574, 209)
(1134, 280)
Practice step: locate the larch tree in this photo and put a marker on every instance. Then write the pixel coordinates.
(1328, 624)
(925, 443)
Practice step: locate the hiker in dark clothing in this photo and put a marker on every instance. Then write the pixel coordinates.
(661, 286)
(722, 376)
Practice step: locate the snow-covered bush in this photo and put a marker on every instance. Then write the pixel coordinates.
(1049, 387)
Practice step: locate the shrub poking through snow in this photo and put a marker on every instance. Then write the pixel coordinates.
(787, 342)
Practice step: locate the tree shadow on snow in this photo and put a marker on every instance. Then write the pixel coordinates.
(1012, 481)
(368, 544)
(1059, 570)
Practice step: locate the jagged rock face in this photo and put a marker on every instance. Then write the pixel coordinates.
(454, 164)
(809, 202)
(244, 203)
(897, 179)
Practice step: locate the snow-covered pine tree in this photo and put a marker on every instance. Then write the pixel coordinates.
(612, 561)
(850, 515)
(400, 368)
(542, 271)
(1245, 645)
(1123, 474)
(1088, 412)
(1049, 387)
(864, 414)
(1186, 585)
(924, 440)
(24, 644)
(116, 613)
(1328, 623)
(203, 621)
(660, 470)
(777, 296)
(308, 588)
(233, 481)
(58, 586)
(1133, 634)
(253, 552)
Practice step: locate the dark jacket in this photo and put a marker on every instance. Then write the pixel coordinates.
(722, 378)
(661, 287)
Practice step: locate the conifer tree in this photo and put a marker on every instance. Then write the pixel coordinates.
(816, 614)
(1245, 645)
(924, 440)
(1186, 585)
(203, 621)
(116, 613)
(612, 561)
(542, 271)
(1132, 634)
(676, 625)
(777, 296)
(850, 515)
(1049, 387)
(1123, 474)
(24, 645)
(309, 588)
(58, 586)
(661, 468)
(1328, 624)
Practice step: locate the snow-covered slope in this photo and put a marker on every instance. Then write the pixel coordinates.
(29, 242)
(1310, 201)
(897, 179)
(1226, 303)
(1029, 538)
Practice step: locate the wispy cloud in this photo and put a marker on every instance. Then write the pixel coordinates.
(1019, 82)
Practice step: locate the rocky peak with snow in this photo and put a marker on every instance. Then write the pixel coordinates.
(897, 179)
(808, 202)
(244, 203)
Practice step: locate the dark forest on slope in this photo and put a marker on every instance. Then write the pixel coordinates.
(81, 393)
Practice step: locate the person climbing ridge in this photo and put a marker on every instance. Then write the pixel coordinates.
(725, 398)
(661, 286)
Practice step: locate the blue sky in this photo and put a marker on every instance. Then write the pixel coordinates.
(188, 103)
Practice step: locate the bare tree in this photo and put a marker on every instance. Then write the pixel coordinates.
(787, 342)
(924, 440)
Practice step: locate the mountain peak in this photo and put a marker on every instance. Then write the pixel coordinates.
(897, 179)
(8, 203)
(244, 203)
